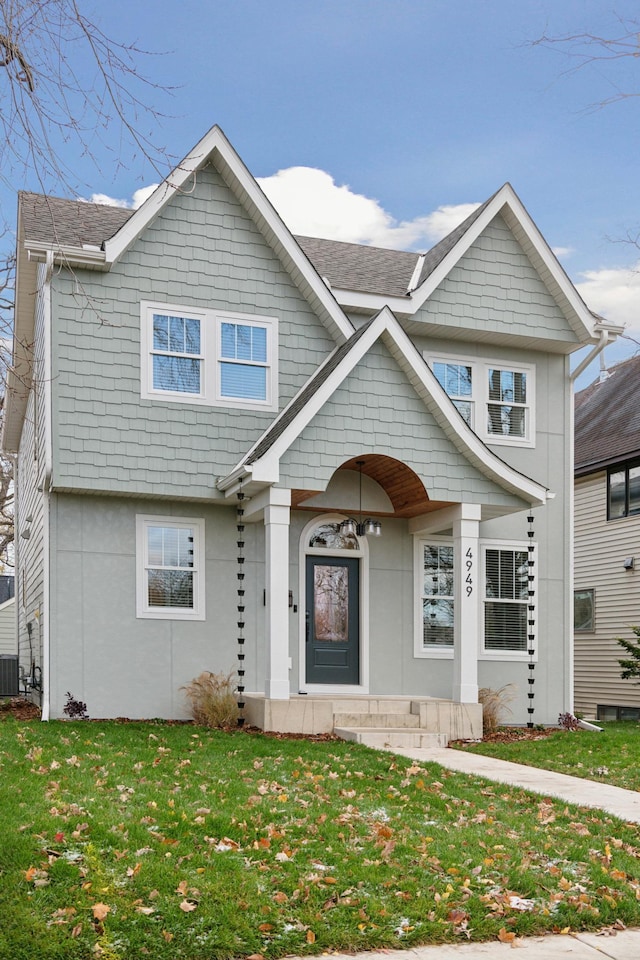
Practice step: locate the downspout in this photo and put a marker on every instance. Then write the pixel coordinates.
(46, 483)
(599, 347)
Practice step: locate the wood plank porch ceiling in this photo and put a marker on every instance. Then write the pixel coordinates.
(401, 484)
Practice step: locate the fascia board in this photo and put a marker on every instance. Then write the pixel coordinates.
(269, 463)
(215, 147)
(465, 440)
(460, 434)
(66, 255)
(578, 315)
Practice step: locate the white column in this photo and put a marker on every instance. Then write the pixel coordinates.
(276, 525)
(466, 528)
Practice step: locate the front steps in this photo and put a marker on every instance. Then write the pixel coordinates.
(375, 721)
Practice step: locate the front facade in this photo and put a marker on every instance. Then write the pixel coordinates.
(337, 470)
(607, 541)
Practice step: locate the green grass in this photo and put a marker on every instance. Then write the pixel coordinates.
(612, 756)
(210, 845)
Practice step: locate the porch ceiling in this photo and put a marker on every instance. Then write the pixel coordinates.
(401, 484)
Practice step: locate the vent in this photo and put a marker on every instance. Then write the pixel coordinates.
(8, 676)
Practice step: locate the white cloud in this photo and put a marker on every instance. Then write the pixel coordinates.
(138, 198)
(312, 204)
(613, 292)
(562, 251)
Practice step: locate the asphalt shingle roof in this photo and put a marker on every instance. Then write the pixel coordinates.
(347, 266)
(69, 222)
(607, 419)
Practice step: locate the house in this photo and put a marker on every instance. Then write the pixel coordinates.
(8, 638)
(344, 471)
(607, 540)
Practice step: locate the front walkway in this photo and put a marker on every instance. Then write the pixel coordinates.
(624, 804)
(580, 946)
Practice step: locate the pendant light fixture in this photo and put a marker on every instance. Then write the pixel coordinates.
(363, 528)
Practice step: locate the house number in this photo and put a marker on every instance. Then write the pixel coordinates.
(469, 577)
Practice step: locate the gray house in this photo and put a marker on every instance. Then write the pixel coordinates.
(344, 472)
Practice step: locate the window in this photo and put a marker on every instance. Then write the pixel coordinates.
(496, 400)
(623, 491)
(208, 357)
(583, 609)
(170, 568)
(509, 581)
(437, 601)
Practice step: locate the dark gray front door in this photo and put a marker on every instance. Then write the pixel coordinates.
(333, 620)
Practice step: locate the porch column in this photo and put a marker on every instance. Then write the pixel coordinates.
(276, 523)
(466, 529)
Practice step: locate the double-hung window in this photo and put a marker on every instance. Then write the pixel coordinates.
(209, 357)
(509, 589)
(170, 568)
(495, 399)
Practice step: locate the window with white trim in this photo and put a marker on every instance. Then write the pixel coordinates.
(507, 624)
(437, 595)
(170, 568)
(208, 357)
(495, 399)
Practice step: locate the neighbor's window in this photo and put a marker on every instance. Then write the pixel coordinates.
(170, 568)
(209, 357)
(496, 400)
(583, 609)
(623, 491)
(506, 600)
(437, 595)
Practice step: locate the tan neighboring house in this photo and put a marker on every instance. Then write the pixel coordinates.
(607, 540)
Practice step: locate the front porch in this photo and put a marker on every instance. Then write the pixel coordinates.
(376, 721)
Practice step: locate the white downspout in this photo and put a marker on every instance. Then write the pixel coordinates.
(48, 461)
(599, 347)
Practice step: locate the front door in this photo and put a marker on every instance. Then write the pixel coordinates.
(333, 620)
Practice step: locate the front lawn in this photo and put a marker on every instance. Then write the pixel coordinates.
(612, 756)
(125, 841)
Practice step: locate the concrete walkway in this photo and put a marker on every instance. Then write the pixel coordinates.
(583, 946)
(586, 793)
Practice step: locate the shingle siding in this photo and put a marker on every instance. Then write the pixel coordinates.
(108, 438)
(495, 288)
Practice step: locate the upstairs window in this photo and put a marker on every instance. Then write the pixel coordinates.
(623, 491)
(495, 400)
(208, 357)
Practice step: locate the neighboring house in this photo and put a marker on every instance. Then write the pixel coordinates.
(215, 420)
(607, 540)
(8, 638)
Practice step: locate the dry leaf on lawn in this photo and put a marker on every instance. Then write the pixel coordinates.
(100, 911)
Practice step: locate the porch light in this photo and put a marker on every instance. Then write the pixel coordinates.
(363, 528)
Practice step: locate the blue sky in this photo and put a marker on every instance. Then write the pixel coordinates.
(415, 104)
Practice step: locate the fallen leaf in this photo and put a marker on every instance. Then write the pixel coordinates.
(100, 911)
(310, 937)
(188, 905)
(147, 911)
(167, 936)
(505, 936)
(77, 930)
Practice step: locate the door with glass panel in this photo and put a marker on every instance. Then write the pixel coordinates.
(332, 620)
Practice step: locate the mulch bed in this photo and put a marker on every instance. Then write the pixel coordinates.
(21, 709)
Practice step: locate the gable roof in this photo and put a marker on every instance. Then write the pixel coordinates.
(261, 463)
(607, 419)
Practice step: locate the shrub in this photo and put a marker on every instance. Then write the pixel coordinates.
(212, 699)
(568, 722)
(75, 709)
(495, 703)
(630, 667)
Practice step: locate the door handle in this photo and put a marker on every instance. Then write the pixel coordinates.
(307, 619)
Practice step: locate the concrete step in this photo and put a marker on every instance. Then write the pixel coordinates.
(378, 720)
(373, 705)
(391, 737)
